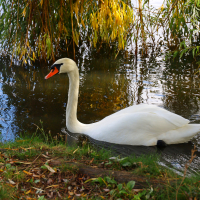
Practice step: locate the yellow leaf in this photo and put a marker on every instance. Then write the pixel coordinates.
(24, 12)
(82, 22)
(162, 7)
(75, 150)
(34, 56)
(52, 186)
(91, 179)
(20, 140)
(28, 192)
(28, 173)
(41, 2)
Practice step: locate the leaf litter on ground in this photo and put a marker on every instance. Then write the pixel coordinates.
(32, 176)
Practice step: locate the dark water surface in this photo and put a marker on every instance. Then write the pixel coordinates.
(106, 86)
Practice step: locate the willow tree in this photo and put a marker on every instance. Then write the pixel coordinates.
(40, 29)
(34, 29)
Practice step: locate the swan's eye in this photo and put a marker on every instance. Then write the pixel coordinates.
(56, 66)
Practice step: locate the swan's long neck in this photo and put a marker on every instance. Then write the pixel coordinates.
(72, 123)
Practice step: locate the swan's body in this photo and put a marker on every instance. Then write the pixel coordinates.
(136, 125)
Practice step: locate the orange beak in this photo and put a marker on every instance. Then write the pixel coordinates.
(52, 73)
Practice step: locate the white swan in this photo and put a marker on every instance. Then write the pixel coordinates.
(136, 125)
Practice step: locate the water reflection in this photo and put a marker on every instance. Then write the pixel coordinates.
(106, 86)
(182, 86)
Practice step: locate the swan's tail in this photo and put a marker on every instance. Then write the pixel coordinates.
(180, 135)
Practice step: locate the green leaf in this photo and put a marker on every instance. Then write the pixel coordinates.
(31, 180)
(119, 186)
(123, 192)
(130, 185)
(36, 181)
(99, 180)
(8, 165)
(197, 52)
(109, 180)
(183, 52)
(140, 194)
(137, 197)
(126, 164)
(41, 198)
(112, 192)
(149, 193)
(109, 163)
(175, 54)
(43, 167)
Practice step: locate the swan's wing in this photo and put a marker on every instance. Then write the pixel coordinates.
(175, 119)
(139, 128)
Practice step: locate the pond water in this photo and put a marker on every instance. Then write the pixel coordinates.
(106, 86)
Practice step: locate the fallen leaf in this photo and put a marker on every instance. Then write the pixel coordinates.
(69, 188)
(11, 185)
(59, 194)
(137, 190)
(28, 173)
(28, 192)
(26, 148)
(73, 183)
(45, 156)
(38, 189)
(25, 163)
(91, 179)
(66, 180)
(37, 181)
(52, 186)
(11, 182)
(36, 176)
(49, 181)
(75, 150)
(50, 168)
(50, 195)
(20, 140)
(70, 193)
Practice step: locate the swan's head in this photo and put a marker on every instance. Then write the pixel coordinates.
(64, 65)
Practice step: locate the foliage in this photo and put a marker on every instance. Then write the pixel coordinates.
(35, 29)
(111, 21)
(119, 190)
(43, 29)
(183, 27)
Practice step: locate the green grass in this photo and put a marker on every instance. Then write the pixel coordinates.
(24, 150)
(6, 192)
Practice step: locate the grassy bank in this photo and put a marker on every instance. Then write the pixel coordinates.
(35, 168)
